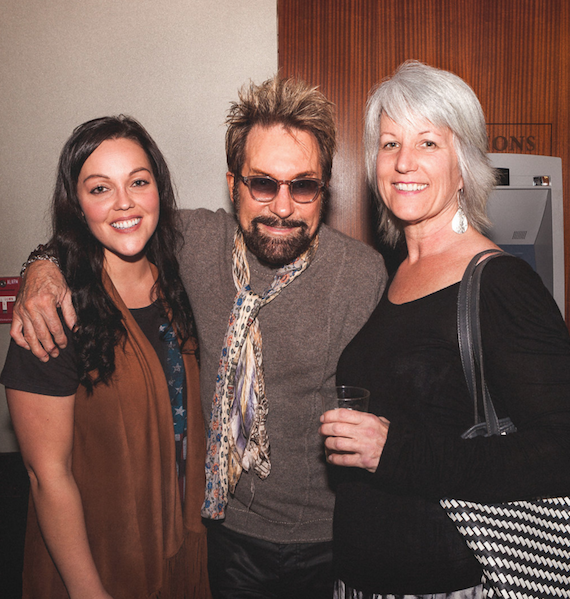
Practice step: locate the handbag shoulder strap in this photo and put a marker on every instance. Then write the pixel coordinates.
(469, 337)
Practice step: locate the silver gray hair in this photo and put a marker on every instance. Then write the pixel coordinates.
(417, 92)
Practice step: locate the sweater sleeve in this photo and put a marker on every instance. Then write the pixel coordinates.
(527, 364)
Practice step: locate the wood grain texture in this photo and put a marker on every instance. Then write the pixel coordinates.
(514, 53)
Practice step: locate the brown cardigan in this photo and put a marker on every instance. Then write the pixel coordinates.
(143, 545)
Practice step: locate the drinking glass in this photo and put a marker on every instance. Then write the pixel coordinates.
(344, 396)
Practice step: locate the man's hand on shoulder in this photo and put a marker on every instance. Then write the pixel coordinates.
(36, 325)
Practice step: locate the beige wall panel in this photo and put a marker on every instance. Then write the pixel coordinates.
(175, 65)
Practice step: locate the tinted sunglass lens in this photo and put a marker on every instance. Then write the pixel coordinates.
(263, 188)
(304, 190)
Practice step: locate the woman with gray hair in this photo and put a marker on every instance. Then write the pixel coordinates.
(426, 161)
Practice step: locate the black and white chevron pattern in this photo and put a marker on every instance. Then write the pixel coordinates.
(522, 546)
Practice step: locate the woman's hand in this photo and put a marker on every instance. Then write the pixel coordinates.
(354, 438)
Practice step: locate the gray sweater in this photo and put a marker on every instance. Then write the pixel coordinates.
(304, 331)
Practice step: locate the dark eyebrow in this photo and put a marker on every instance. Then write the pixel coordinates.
(95, 176)
(136, 170)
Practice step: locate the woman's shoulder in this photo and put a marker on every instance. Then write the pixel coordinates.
(511, 274)
(510, 287)
(56, 377)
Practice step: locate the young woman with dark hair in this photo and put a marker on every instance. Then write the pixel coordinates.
(116, 492)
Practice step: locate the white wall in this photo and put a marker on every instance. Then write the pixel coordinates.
(173, 64)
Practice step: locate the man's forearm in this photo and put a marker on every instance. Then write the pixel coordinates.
(35, 324)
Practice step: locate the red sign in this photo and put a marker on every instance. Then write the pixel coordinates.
(9, 287)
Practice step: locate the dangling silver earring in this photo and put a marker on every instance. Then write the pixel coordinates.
(459, 223)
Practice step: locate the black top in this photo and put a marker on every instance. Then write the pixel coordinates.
(59, 377)
(390, 533)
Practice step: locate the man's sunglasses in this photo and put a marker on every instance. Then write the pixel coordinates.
(265, 189)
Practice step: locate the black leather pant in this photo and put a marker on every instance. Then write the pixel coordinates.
(242, 567)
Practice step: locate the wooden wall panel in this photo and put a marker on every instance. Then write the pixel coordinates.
(514, 53)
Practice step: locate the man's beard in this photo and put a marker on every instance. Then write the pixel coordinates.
(276, 251)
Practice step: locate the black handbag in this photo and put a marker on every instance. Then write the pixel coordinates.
(523, 546)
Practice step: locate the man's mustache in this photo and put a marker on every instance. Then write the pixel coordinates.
(269, 221)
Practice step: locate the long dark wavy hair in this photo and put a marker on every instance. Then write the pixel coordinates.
(100, 328)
